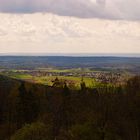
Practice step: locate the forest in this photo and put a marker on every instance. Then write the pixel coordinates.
(30, 111)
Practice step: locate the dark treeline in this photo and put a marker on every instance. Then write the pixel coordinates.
(36, 112)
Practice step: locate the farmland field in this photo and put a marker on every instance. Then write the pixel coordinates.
(47, 80)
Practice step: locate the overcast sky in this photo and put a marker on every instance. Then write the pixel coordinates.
(110, 9)
(70, 26)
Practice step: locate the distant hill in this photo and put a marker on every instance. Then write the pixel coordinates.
(32, 62)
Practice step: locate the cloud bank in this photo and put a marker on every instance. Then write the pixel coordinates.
(48, 33)
(108, 9)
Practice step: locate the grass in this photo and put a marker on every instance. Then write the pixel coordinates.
(79, 70)
(77, 80)
(47, 80)
(21, 76)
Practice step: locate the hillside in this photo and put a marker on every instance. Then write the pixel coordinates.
(34, 111)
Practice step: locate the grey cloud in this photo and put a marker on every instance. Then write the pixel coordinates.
(108, 9)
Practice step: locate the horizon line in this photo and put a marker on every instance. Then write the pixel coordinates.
(74, 54)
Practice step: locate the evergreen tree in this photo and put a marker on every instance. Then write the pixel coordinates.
(27, 106)
(83, 85)
(66, 91)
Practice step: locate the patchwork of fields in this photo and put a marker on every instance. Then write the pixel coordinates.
(73, 77)
(48, 80)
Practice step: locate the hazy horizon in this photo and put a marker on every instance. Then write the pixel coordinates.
(74, 54)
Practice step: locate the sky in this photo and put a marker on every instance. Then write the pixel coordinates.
(69, 26)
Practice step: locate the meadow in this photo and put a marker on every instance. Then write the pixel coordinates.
(48, 80)
(74, 81)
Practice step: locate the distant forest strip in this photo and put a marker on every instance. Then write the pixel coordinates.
(30, 111)
(97, 63)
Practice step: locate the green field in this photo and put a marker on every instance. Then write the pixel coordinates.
(47, 80)
(22, 76)
(77, 80)
(79, 70)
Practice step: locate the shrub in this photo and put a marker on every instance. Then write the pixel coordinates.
(35, 131)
